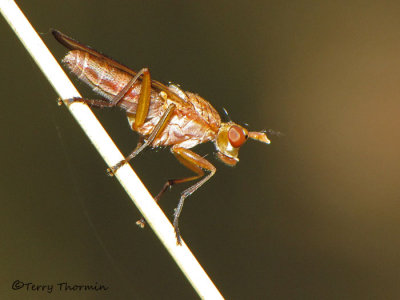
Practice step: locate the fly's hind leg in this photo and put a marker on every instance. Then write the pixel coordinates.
(91, 102)
(141, 112)
(116, 99)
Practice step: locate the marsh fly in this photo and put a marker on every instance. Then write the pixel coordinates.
(162, 115)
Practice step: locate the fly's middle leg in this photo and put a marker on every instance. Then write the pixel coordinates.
(149, 140)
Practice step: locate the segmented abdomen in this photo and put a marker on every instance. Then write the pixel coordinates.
(104, 79)
(107, 80)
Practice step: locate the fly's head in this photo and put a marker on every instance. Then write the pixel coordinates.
(231, 137)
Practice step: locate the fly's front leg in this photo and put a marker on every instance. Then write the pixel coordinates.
(170, 182)
(197, 164)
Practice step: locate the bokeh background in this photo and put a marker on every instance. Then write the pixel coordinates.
(314, 215)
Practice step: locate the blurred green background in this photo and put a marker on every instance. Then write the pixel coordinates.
(314, 215)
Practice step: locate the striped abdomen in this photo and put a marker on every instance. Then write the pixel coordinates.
(107, 80)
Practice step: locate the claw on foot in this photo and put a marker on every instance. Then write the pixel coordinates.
(177, 234)
(68, 101)
(178, 239)
(141, 223)
(110, 172)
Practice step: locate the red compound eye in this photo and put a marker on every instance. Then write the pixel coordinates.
(236, 136)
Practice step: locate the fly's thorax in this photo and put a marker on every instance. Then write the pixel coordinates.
(229, 139)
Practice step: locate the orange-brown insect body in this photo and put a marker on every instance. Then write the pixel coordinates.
(162, 115)
(194, 120)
